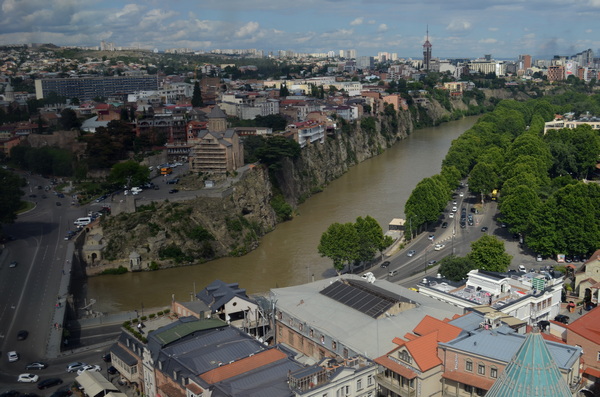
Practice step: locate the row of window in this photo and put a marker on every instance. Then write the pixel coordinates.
(481, 369)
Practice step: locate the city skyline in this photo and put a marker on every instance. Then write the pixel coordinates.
(459, 29)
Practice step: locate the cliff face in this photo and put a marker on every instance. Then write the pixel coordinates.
(195, 231)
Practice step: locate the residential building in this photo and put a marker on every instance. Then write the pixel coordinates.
(531, 297)
(583, 332)
(307, 132)
(86, 88)
(556, 73)
(560, 123)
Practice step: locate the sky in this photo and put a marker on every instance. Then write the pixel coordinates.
(457, 28)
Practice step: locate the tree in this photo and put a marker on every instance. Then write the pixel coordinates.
(69, 120)
(519, 207)
(128, 173)
(455, 268)
(276, 149)
(371, 238)
(10, 195)
(483, 178)
(283, 91)
(197, 96)
(339, 243)
(487, 253)
(426, 202)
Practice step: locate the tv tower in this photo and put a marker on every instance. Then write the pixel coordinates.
(427, 52)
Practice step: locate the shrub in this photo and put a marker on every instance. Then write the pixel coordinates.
(167, 311)
(143, 318)
(152, 315)
(159, 313)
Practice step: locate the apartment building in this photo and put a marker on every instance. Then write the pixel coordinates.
(87, 88)
(531, 297)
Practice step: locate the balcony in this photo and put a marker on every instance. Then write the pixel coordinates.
(394, 386)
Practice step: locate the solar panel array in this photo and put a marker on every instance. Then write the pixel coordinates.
(358, 299)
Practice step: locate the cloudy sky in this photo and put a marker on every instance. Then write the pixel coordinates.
(457, 28)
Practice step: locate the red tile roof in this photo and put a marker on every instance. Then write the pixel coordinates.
(242, 366)
(424, 351)
(394, 366)
(587, 326)
(446, 332)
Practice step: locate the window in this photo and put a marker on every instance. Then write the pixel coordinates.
(468, 388)
(404, 356)
(300, 326)
(359, 384)
(334, 345)
(370, 380)
(494, 372)
(345, 353)
(280, 331)
(291, 338)
(481, 369)
(469, 366)
(311, 333)
(279, 315)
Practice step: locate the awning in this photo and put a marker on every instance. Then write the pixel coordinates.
(592, 371)
(469, 379)
(94, 384)
(123, 355)
(395, 367)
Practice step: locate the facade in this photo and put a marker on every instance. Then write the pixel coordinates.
(531, 297)
(556, 73)
(587, 279)
(559, 124)
(427, 52)
(307, 132)
(218, 149)
(87, 88)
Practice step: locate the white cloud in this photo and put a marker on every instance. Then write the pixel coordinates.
(458, 25)
(382, 28)
(357, 21)
(488, 41)
(129, 9)
(492, 29)
(247, 30)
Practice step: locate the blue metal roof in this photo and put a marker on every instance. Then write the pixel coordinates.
(531, 372)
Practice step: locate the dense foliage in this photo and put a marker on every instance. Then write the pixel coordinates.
(541, 178)
(349, 243)
(10, 195)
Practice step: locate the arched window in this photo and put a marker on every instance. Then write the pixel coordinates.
(469, 366)
(405, 356)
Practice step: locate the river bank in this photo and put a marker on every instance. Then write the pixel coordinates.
(378, 187)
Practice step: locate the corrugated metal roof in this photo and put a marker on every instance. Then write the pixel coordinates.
(168, 335)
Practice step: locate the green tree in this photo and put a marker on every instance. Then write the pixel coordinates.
(283, 91)
(426, 202)
(128, 173)
(371, 238)
(483, 178)
(10, 195)
(455, 268)
(487, 253)
(340, 243)
(519, 207)
(69, 120)
(197, 96)
(276, 149)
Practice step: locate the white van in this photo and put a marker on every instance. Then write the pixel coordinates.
(83, 221)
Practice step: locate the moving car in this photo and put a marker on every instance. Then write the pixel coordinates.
(484, 229)
(91, 368)
(13, 264)
(385, 264)
(36, 365)
(49, 383)
(22, 334)
(173, 191)
(13, 356)
(431, 237)
(28, 378)
(106, 357)
(439, 247)
(73, 367)
(411, 253)
(431, 262)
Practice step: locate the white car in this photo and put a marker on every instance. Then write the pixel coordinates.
(91, 368)
(451, 215)
(438, 247)
(461, 194)
(454, 209)
(28, 378)
(13, 356)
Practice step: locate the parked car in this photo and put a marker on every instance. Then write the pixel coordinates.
(36, 365)
(75, 366)
(385, 264)
(22, 334)
(484, 229)
(173, 191)
(61, 393)
(444, 225)
(13, 264)
(28, 378)
(49, 383)
(13, 356)
(112, 370)
(561, 318)
(522, 268)
(451, 215)
(106, 358)
(539, 258)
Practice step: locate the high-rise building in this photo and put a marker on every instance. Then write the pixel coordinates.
(87, 88)
(427, 52)
(525, 62)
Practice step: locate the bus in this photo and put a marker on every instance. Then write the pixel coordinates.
(494, 194)
(166, 170)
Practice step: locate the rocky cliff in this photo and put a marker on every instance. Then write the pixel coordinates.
(178, 233)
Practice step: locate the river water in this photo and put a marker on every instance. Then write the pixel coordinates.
(378, 187)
